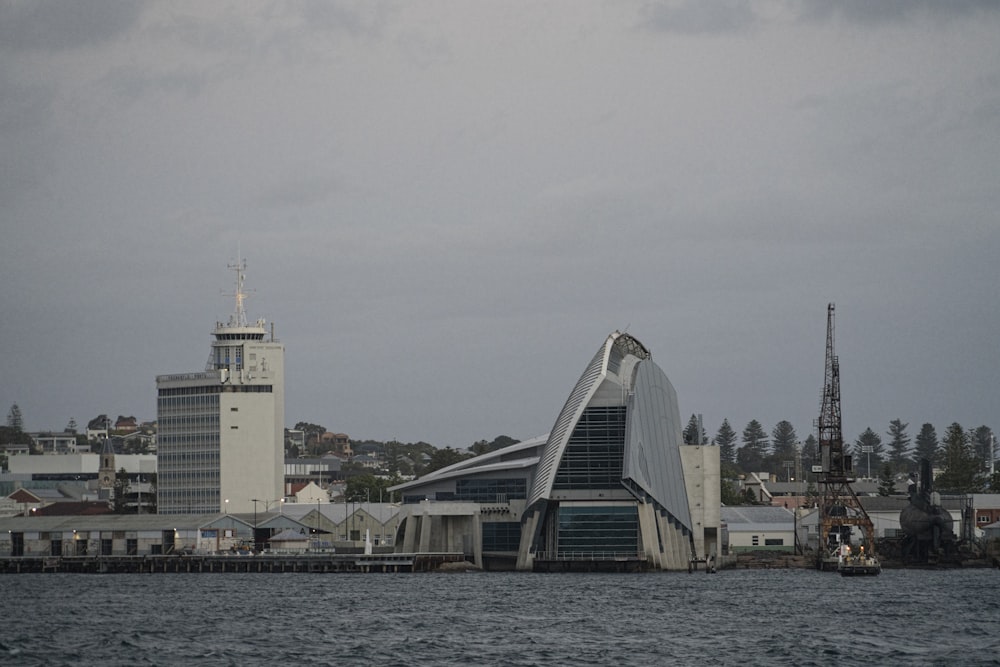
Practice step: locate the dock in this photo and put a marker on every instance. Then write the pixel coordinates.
(219, 563)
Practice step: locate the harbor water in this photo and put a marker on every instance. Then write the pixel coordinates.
(734, 617)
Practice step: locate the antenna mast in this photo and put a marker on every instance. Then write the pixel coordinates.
(239, 317)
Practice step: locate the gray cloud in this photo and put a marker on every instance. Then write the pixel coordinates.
(52, 25)
(892, 11)
(691, 17)
(446, 207)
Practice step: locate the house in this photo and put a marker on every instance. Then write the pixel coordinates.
(986, 507)
(56, 443)
(290, 539)
(97, 428)
(125, 425)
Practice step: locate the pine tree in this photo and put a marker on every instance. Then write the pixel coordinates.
(982, 444)
(886, 481)
(927, 444)
(868, 452)
(899, 446)
(784, 447)
(963, 472)
(810, 452)
(693, 435)
(751, 455)
(15, 421)
(726, 441)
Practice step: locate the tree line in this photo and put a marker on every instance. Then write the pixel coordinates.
(961, 455)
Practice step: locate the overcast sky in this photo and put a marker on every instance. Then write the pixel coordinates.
(446, 207)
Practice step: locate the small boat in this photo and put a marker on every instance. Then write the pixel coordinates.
(857, 565)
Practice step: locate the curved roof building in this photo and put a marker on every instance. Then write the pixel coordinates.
(612, 485)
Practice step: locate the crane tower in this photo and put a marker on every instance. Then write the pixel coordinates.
(839, 507)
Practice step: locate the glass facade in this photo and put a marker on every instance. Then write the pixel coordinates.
(595, 451)
(598, 529)
(188, 478)
(502, 536)
(491, 490)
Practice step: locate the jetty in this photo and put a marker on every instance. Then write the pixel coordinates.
(212, 563)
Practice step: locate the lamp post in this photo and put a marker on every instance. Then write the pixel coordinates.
(255, 501)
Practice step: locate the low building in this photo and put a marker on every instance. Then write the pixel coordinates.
(759, 528)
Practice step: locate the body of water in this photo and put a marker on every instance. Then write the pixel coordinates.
(735, 617)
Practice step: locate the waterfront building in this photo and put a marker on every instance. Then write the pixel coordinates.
(220, 441)
(611, 486)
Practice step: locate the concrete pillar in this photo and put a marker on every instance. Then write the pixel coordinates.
(647, 530)
(525, 560)
(410, 534)
(477, 540)
(425, 532)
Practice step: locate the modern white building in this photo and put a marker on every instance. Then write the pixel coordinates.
(612, 486)
(221, 431)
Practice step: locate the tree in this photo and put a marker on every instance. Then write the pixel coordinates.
(369, 488)
(442, 458)
(121, 487)
(726, 441)
(899, 446)
(982, 444)
(729, 494)
(886, 481)
(868, 451)
(15, 420)
(810, 453)
(499, 442)
(963, 471)
(927, 444)
(693, 434)
(751, 455)
(784, 448)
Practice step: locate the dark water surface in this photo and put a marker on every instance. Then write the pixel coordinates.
(737, 617)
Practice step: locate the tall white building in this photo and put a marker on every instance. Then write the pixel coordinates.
(221, 431)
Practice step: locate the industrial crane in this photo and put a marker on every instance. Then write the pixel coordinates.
(839, 507)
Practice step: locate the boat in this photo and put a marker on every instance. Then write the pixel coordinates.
(857, 565)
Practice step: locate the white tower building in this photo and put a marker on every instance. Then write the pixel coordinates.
(220, 433)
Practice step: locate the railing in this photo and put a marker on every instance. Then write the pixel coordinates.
(590, 555)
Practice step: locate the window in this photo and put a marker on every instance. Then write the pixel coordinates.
(594, 453)
(774, 541)
(755, 540)
(604, 529)
(502, 536)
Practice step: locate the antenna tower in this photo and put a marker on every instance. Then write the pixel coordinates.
(239, 317)
(839, 508)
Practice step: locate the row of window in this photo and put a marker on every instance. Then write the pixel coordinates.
(594, 454)
(613, 528)
(216, 389)
(502, 536)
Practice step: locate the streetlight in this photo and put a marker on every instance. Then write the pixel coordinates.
(255, 501)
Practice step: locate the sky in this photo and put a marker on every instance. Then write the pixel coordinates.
(446, 207)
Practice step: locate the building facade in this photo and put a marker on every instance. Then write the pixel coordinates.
(221, 431)
(609, 487)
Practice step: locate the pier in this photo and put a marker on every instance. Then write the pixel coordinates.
(212, 563)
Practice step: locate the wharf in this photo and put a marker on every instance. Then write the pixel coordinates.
(210, 563)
